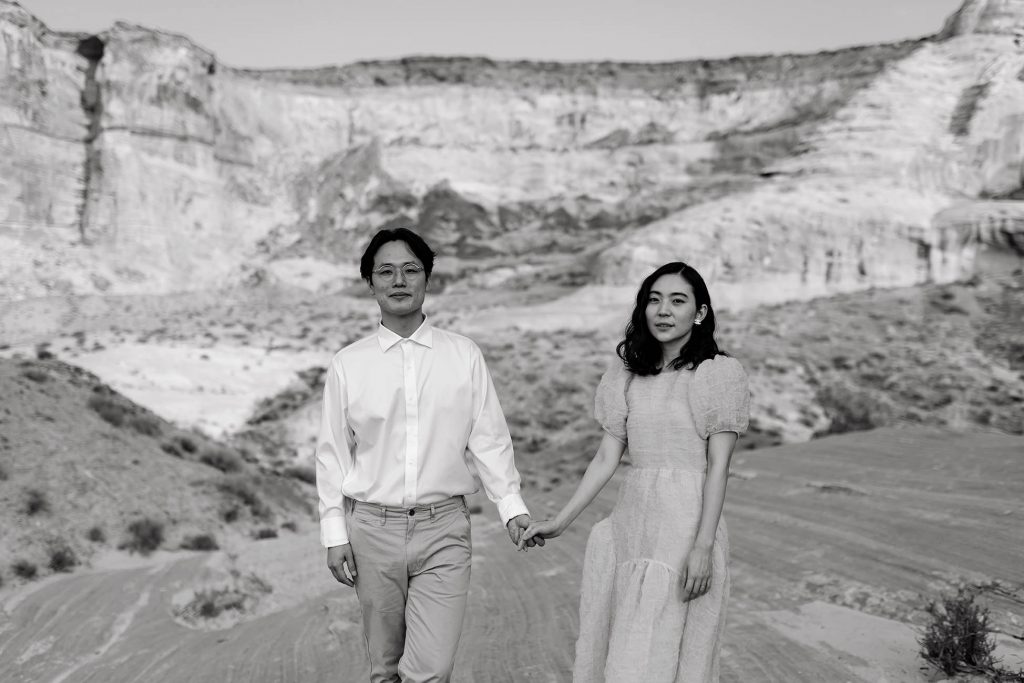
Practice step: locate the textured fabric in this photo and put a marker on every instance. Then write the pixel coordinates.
(411, 421)
(634, 624)
(413, 574)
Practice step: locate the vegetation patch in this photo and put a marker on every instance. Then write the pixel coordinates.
(96, 534)
(63, 559)
(246, 493)
(144, 536)
(959, 639)
(147, 425)
(110, 409)
(24, 569)
(222, 459)
(35, 502)
(204, 542)
(302, 473)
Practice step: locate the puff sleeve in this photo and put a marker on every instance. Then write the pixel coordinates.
(720, 397)
(610, 408)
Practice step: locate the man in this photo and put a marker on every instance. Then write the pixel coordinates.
(409, 413)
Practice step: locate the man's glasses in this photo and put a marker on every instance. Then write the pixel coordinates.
(411, 271)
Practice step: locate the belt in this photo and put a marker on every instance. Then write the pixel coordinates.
(428, 509)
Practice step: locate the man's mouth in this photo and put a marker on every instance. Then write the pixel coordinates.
(400, 295)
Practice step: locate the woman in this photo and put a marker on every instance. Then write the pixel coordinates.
(655, 576)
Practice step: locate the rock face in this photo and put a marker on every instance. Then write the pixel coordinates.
(131, 161)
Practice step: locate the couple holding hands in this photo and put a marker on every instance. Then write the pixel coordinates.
(411, 421)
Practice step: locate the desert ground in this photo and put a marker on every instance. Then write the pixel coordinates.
(883, 470)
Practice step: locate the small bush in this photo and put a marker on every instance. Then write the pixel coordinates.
(221, 458)
(111, 410)
(146, 425)
(3, 473)
(230, 514)
(302, 473)
(244, 492)
(290, 526)
(36, 375)
(35, 502)
(186, 444)
(144, 536)
(42, 353)
(170, 448)
(263, 533)
(62, 559)
(24, 569)
(959, 637)
(96, 535)
(200, 542)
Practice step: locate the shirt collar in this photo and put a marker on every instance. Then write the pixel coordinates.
(424, 335)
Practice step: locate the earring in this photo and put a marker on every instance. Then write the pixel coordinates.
(696, 321)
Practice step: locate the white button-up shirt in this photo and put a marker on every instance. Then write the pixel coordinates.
(411, 421)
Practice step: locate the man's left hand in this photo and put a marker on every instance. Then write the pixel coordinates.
(516, 526)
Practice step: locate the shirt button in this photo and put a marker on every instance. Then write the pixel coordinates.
(412, 513)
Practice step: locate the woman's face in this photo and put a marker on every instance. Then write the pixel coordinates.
(671, 311)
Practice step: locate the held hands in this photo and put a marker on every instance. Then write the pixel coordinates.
(696, 576)
(340, 558)
(538, 531)
(516, 526)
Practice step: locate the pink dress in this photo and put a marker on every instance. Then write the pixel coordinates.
(634, 624)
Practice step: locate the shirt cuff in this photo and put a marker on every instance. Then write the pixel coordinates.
(333, 531)
(511, 506)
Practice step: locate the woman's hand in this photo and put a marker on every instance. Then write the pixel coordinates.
(696, 573)
(545, 528)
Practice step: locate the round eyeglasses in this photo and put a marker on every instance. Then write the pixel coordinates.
(388, 273)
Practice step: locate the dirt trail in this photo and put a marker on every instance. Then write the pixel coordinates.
(834, 543)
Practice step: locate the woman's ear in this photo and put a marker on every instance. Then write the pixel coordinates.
(702, 313)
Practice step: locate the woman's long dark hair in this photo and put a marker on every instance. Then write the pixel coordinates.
(641, 352)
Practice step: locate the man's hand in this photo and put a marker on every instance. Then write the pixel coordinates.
(516, 526)
(340, 559)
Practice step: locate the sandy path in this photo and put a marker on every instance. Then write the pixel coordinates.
(833, 543)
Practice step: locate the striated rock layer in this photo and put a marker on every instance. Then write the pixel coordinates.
(132, 161)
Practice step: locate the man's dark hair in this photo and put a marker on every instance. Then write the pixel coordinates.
(417, 245)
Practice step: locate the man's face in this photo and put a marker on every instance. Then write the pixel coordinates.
(402, 295)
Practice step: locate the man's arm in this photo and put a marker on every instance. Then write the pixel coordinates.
(491, 447)
(333, 462)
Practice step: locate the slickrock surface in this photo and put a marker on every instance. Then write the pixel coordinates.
(837, 545)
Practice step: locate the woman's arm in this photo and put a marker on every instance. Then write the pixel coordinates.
(697, 569)
(599, 471)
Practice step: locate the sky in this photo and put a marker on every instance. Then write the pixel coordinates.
(304, 33)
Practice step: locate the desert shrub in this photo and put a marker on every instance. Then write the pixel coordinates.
(111, 410)
(96, 535)
(290, 526)
(959, 636)
(230, 513)
(36, 375)
(244, 492)
(212, 603)
(852, 411)
(35, 502)
(146, 425)
(200, 542)
(144, 536)
(222, 459)
(62, 559)
(302, 473)
(187, 444)
(264, 533)
(43, 353)
(170, 448)
(24, 569)
(3, 473)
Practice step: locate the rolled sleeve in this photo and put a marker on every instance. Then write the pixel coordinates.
(333, 458)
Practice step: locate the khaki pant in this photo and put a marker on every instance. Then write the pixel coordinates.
(413, 568)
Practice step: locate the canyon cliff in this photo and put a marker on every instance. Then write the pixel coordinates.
(132, 161)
